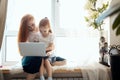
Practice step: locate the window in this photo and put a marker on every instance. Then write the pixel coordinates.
(76, 38)
(72, 13)
(16, 9)
(70, 19)
(73, 37)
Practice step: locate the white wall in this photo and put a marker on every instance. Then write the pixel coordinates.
(114, 40)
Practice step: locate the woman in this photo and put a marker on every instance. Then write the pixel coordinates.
(28, 33)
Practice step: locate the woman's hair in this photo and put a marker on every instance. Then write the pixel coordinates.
(23, 30)
(45, 21)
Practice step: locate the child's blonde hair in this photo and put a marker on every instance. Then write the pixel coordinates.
(45, 21)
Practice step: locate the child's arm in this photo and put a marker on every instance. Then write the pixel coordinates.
(50, 47)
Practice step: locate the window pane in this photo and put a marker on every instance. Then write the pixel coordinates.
(17, 8)
(72, 14)
(15, 11)
(12, 53)
(77, 49)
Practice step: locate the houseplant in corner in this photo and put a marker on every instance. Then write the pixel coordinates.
(94, 10)
(113, 9)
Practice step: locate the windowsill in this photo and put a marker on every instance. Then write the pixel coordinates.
(66, 71)
(58, 71)
(5, 69)
(70, 66)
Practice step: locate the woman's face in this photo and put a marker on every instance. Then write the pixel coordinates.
(31, 25)
(44, 30)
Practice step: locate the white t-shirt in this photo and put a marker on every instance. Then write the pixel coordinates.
(47, 40)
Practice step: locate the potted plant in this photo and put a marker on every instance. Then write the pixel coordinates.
(113, 9)
(94, 11)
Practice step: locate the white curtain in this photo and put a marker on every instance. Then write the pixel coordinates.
(95, 71)
(77, 41)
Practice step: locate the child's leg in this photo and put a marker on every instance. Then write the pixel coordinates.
(58, 63)
(48, 69)
(30, 76)
(42, 70)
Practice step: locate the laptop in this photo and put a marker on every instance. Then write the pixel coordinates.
(32, 49)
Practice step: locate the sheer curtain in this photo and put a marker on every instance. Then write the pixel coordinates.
(79, 42)
(75, 41)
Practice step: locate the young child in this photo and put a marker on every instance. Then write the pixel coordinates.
(47, 36)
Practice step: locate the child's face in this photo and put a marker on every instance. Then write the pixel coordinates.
(44, 30)
(31, 25)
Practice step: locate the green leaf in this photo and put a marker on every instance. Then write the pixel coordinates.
(86, 19)
(118, 31)
(116, 22)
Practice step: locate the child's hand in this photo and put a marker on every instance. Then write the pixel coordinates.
(48, 53)
(36, 40)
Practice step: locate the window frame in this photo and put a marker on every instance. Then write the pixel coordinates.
(55, 22)
(13, 33)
